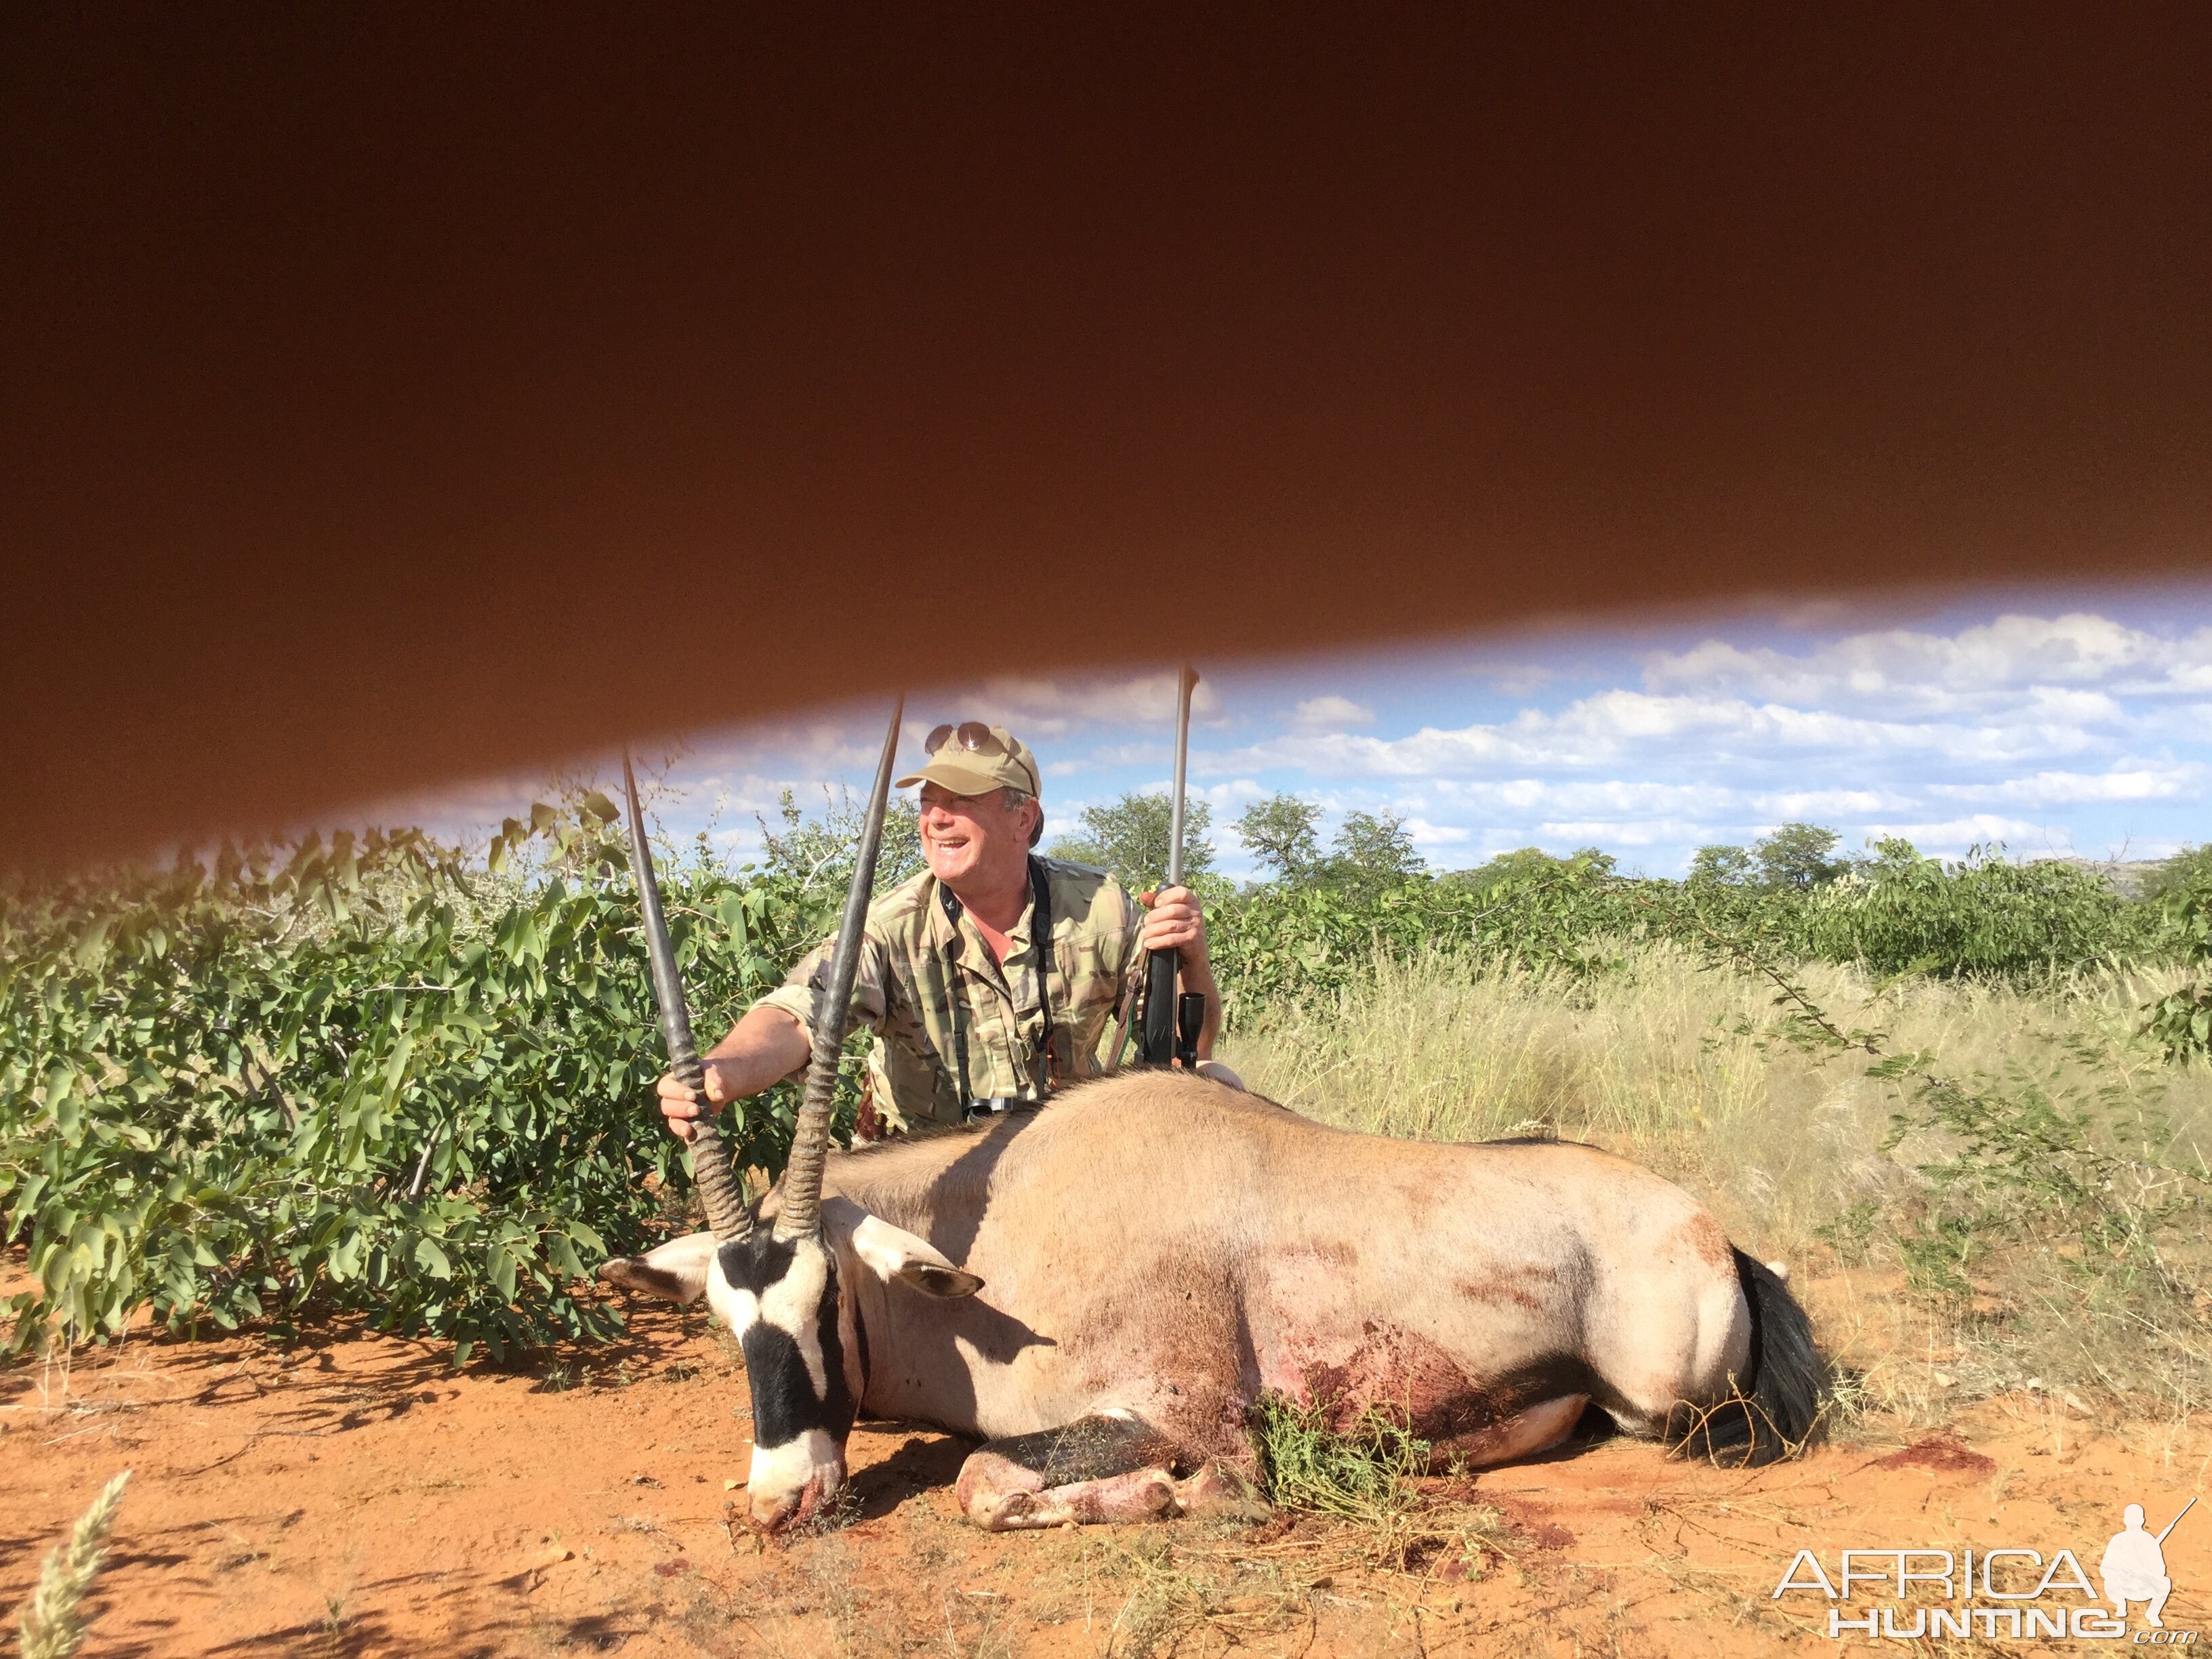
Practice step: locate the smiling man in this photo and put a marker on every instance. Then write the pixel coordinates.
(971, 1016)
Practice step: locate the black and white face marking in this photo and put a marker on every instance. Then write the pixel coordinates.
(780, 1297)
(794, 1314)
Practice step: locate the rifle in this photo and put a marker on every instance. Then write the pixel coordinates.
(1172, 1023)
(2176, 1522)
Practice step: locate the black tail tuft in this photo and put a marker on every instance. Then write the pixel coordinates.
(1775, 1411)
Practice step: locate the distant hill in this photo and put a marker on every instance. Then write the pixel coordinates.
(2128, 878)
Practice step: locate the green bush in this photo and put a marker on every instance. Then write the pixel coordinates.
(361, 1076)
(1900, 913)
(2181, 1021)
(1296, 941)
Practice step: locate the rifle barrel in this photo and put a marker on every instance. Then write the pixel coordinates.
(1156, 1045)
(2176, 1522)
(1185, 684)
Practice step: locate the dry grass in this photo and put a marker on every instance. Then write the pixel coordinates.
(52, 1621)
(1681, 1067)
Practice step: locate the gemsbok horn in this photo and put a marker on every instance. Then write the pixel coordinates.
(726, 1215)
(801, 1214)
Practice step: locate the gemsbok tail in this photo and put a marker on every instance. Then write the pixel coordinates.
(1776, 1411)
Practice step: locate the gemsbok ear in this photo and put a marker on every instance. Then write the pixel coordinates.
(676, 1270)
(947, 1284)
(891, 1253)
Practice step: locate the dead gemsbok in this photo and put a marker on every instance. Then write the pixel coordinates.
(1102, 1287)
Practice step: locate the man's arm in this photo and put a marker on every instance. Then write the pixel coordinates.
(1174, 922)
(764, 1047)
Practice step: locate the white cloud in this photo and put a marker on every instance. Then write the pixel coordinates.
(1798, 806)
(1614, 726)
(1578, 796)
(1981, 827)
(1136, 754)
(2072, 788)
(1425, 833)
(1618, 832)
(1331, 711)
(1035, 708)
(821, 747)
(1226, 797)
(1917, 671)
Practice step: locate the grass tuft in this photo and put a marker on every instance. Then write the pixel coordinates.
(52, 1621)
(1363, 1474)
(1365, 1478)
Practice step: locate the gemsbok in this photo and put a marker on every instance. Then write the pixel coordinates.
(1102, 1287)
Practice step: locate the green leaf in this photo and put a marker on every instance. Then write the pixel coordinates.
(432, 1260)
(732, 910)
(499, 1263)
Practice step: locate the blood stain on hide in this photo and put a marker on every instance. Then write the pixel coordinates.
(1708, 1242)
(1419, 1384)
(1523, 1286)
(1423, 1388)
(1198, 1403)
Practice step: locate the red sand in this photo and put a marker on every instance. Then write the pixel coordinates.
(356, 1495)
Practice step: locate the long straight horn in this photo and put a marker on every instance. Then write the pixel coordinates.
(726, 1214)
(801, 1214)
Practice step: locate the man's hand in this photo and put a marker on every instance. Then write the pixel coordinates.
(766, 1045)
(1176, 923)
(683, 1108)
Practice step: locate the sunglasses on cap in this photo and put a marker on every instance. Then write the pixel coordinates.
(974, 736)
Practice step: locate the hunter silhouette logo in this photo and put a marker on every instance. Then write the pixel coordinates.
(2004, 1592)
(2134, 1567)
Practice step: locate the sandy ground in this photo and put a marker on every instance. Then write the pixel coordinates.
(355, 1495)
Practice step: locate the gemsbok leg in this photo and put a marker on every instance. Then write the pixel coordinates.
(1107, 1466)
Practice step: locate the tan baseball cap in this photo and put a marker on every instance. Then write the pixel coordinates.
(974, 759)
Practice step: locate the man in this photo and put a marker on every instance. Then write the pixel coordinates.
(949, 974)
(2134, 1568)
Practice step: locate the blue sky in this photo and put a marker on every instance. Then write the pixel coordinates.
(2073, 721)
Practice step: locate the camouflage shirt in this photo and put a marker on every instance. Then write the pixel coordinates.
(923, 982)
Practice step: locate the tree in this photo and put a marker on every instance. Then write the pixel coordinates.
(1279, 832)
(1532, 865)
(1130, 837)
(2188, 869)
(819, 851)
(1374, 850)
(1722, 866)
(1520, 864)
(1596, 860)
(1796, 856)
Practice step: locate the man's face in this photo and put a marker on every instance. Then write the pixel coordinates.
(972, 839)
